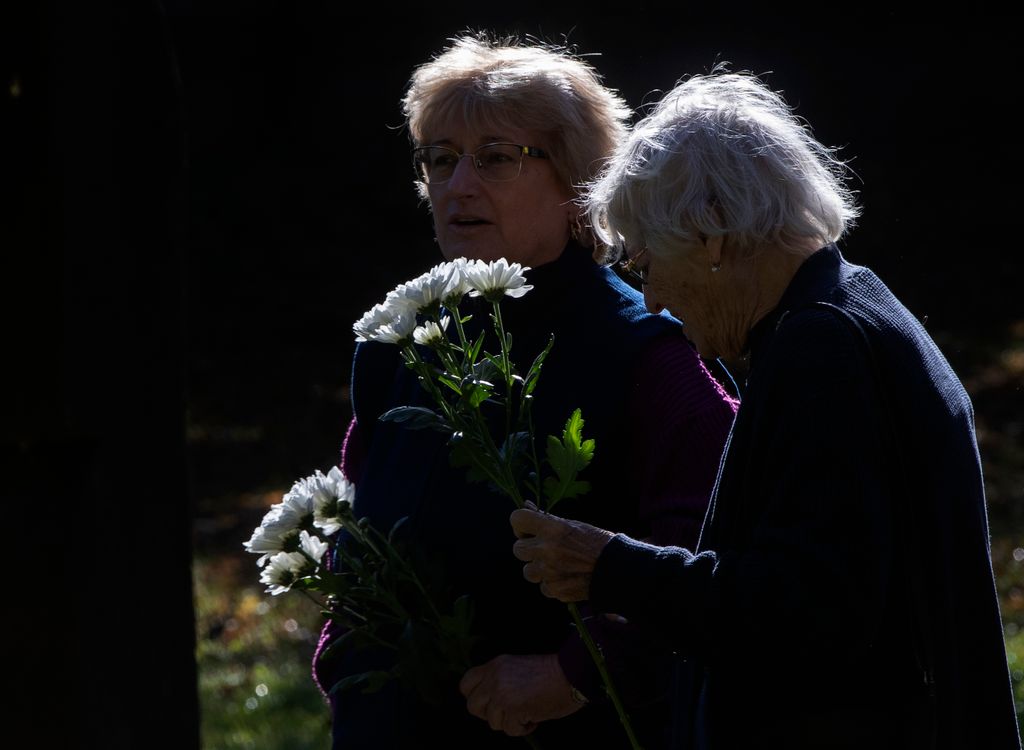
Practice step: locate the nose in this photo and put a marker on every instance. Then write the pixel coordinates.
(465, 180)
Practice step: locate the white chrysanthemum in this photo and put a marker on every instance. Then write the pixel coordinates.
(278, 532)
(381, 322)
(332, 493)
(429, 289)
(459, 284)
(299, 499)
(496, 279)
(367, 326)
(398, 330)
(430, 333)
(312, 545)
(283, 570)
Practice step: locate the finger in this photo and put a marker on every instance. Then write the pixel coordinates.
(470, 680)
(525, 549)
(527, 522)
(478, 704)
(495, 718)
(532, 572)
(531, 505)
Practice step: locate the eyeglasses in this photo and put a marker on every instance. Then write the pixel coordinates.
(628, 267)
(494, 162)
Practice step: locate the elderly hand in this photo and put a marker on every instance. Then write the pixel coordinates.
(560, 554)
(514, 693)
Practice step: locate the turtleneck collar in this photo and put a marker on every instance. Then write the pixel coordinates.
(563, 268)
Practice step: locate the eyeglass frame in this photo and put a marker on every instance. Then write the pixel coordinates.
(533, 151)
(628, 267)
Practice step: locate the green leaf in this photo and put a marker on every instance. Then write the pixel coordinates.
(499, 366)
(461, 455)
(515, 454)
(515, 445)
(417, 418)
(487, 370)
(446, 380)
(534, 372)
(554, 488)
(476, 392)
(373, 681)
(568, 457)
(422, 663)
(474, 349)
(335, 584)
(456, 631)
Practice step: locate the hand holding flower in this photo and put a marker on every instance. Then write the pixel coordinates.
(560, 554)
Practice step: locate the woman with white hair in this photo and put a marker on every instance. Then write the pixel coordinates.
(841, 594)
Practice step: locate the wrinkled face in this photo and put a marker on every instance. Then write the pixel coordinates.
(680, 281)
(525, 220)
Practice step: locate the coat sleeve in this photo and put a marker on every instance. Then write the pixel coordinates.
(679, 419)
(801, 518)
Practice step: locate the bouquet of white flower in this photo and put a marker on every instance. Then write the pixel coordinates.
(374, 590)
(462, 377)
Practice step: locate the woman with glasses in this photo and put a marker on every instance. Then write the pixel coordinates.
(503, 133)
(842, 593)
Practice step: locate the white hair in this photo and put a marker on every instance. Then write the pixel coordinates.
(721, 154)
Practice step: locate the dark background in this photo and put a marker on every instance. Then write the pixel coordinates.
(200, 198)
(304, 215)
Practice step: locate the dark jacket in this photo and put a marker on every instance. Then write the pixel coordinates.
(601, 331)
(851, 480)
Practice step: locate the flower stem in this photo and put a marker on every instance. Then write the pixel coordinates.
(537, 491)
(457, 317)
(609, 687)
(506, 365)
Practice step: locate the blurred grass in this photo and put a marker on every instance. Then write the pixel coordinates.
(254, 650)
(254, 653)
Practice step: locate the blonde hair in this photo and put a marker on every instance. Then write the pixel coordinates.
(545, 88)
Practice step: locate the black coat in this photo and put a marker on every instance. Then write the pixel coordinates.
(851, 481)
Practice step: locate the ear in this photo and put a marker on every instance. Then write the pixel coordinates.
(713, 245)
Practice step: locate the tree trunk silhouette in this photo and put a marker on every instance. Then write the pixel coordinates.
(94, 484)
